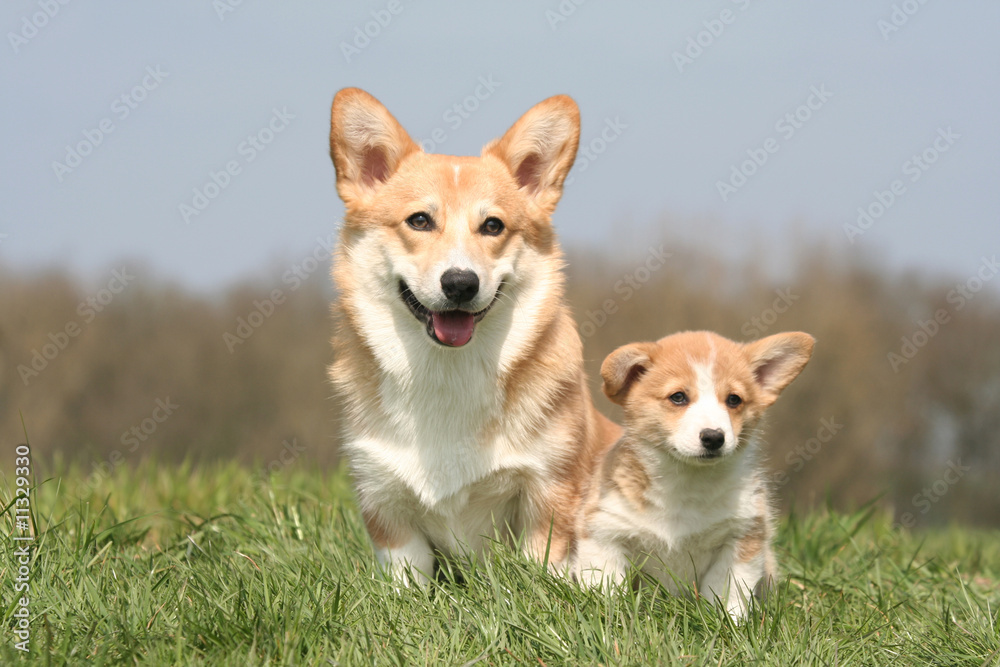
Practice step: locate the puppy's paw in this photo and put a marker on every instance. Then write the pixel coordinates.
(598, 566)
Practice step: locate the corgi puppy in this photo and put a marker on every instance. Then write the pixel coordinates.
(682, 496)
(467, 414)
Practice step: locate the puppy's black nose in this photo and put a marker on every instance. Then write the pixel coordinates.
(460, 285)
(712, 438)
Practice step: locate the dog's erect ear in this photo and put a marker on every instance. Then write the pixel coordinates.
(366, 143)
(540, 147)
(777, 360)
(623, 367)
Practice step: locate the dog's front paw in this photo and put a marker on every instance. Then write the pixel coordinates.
(409, 565)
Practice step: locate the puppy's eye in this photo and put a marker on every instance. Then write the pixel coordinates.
(734, 401)
(678, 398)
(420, 221)
(492, 227)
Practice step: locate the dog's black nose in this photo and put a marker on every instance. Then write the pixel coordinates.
(460, 285)
(712, 438)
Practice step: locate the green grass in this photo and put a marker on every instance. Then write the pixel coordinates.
(206, 565)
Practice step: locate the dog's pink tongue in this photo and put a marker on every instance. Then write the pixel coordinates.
(453, 327)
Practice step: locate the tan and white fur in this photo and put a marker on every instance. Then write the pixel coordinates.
(682, 496)
(467, 414)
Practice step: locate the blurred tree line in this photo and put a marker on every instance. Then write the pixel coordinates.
(901, 400)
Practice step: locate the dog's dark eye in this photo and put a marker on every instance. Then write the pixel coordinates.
(678, 398)
(734, 401)
(492, 227)
(420, 221)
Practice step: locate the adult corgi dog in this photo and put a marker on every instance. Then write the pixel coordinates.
(681, 496)
(467, 414)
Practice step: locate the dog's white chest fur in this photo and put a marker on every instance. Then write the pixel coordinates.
(444, 456)
(443, 427)
(432, 437)
(432, 465)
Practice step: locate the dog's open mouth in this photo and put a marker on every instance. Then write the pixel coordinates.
(453, 328)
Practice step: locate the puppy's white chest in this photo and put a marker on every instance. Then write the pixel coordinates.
(685, 543)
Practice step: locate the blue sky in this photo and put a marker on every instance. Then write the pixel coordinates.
(836, 106)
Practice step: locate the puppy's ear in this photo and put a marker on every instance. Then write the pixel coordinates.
(623, 367)
(777, 360)
(540, 148)
(366, 143)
